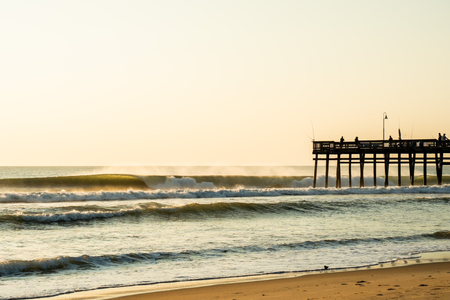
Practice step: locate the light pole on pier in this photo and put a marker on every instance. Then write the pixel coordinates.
(384, 118)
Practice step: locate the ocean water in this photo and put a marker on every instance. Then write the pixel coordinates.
(68, 229)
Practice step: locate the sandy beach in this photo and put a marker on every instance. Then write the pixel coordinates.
(411, 281)
(421, 281)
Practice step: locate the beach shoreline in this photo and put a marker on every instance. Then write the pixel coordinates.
(427, 277)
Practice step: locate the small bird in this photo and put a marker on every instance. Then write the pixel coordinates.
(325, 267)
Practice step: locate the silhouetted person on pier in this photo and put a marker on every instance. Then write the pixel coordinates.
(390, 141)
(444, 137)
(342, 139)
(357, 142)
(440, 137)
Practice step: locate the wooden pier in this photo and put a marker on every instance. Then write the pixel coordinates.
(387, 152)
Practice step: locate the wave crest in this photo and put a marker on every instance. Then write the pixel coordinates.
(445, 234)
(23, 267)
(65, 196)
(73, 215)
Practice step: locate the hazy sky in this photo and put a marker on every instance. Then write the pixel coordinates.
(216, 82)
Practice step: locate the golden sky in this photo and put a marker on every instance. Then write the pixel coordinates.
(100, 82)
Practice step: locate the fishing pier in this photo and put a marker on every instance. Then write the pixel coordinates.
(387, 152)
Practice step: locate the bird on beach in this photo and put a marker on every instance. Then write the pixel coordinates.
(325, 267)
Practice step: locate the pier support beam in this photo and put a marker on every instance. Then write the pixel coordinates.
(374, 169)
(439, 157)
(424, 168)
(338, 171)
(399, 169)
(350, 170)
(412, 162)
(386, 169)
(315, 171)
(327, 165)
(361, 169)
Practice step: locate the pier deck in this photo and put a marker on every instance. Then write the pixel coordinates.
(412, 151)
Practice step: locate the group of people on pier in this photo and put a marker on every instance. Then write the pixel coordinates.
(442, 137)
(442, 141)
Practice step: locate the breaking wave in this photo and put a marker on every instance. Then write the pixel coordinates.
(46, 265)
(66, 196)
(441, 234)
(68, 216)
(82, 182)
(119, 182)
(204, 211)
(192, 210)
(126, 182)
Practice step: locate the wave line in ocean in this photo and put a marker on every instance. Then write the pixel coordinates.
(45, 265)
(65, 196)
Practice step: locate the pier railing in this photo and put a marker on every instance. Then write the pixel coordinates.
(365, 145)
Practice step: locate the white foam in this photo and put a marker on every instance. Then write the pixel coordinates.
(184, 183)
(64, 196)
(320, 182)
(73, 216)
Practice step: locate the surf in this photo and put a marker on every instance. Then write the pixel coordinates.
(75, 196)
(157, 210)
(64, 263)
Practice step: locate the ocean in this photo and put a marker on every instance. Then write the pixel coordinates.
(69, 229)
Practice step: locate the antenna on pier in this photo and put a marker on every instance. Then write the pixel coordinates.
(312, 126)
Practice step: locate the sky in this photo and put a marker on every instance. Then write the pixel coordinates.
(200, 83)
